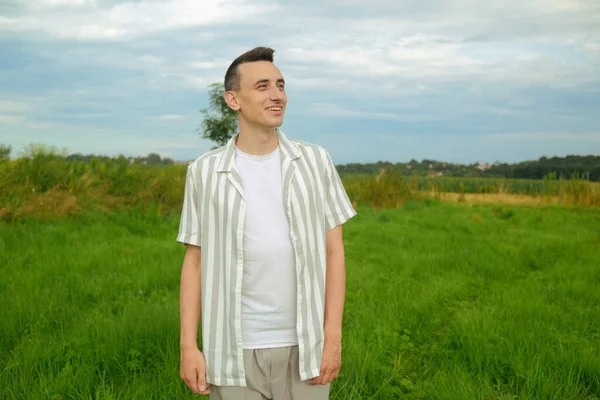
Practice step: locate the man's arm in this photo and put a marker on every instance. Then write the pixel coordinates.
(335, 291)
(338, 210)
(193, 364)
(190, 302)
(335, 288)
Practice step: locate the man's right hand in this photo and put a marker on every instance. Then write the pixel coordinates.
(192, 369)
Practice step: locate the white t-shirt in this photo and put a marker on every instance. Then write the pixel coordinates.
(269, 277)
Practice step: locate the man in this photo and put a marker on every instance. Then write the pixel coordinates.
(264, 264)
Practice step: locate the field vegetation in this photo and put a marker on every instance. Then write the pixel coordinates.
(445, 301)
(47, 184)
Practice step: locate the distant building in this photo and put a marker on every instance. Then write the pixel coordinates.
(483, 167)
(182, 162)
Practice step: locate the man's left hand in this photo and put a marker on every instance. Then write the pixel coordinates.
(330, 363)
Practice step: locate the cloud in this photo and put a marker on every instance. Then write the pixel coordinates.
(417, 69)
(12, 106)
(33, 4)
(373, 146)
(9, 119)
(90, 20)
(587, 137)
(171, 116)
(399, 42)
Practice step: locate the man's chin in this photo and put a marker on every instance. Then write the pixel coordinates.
(269, 123)
(275, 124)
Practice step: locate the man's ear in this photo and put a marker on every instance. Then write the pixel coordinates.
(232, 101)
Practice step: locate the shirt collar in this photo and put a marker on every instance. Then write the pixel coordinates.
(227, 158)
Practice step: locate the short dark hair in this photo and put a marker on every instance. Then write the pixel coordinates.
(232, 76)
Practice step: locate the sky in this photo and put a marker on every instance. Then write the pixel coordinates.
(380, 80)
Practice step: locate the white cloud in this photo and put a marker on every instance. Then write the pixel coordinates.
(12, 106)
(10, 119)
(592, 47)
(218, 63)
(17, 122)
(332, 110)
(171, 116)
(393, 46)
(57, 3)
(85, 20)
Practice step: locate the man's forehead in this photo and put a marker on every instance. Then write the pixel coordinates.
(253, 71)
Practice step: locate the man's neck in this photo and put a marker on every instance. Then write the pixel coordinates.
(257, 141)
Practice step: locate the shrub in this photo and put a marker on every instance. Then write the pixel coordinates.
(388, 189)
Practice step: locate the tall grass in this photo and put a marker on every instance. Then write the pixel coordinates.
(574, 190)
(443, 302)
(44, 184)
(388, 189)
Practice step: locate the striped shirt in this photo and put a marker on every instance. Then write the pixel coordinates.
(213, 218)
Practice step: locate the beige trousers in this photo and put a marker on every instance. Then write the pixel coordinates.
(271, 374)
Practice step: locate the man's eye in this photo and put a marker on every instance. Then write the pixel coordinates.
(262, 86)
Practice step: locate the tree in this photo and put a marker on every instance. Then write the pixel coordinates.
(153, 159)
(220, 121)
(5, 152)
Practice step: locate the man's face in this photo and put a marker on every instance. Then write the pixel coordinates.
(261, 97)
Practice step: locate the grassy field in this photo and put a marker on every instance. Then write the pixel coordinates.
(384, 186)
(530, 187)
(48, 186)
(444, 301)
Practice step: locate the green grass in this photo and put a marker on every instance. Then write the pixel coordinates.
(48, 186)
(573, 191)
(529, 187)
(443, 302)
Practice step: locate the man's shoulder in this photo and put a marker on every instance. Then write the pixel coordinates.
(308, 147)
(205, 159)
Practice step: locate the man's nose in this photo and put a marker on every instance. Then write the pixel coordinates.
(276, 94)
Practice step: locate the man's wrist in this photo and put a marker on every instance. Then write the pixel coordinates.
(184, 345)
(333, 333)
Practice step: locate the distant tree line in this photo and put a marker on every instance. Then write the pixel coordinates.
(37, 149)
(150, 159)
(586, 167)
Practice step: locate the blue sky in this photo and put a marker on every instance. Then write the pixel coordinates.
(458, 80)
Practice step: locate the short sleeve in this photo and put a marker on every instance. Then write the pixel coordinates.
(338, 207)
(190, 226)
